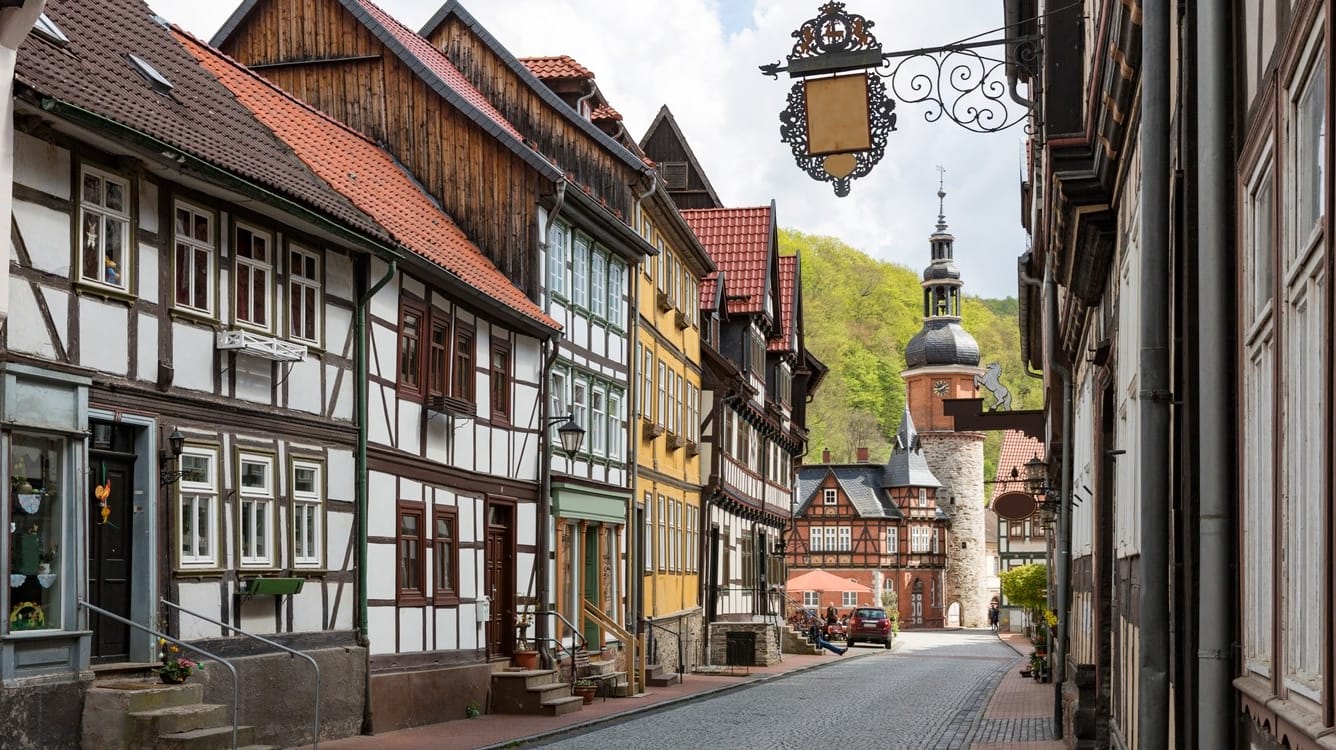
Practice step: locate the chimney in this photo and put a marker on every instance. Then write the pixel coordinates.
(862, 455)
(825, 455)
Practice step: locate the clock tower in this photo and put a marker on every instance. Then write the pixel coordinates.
(942, 361)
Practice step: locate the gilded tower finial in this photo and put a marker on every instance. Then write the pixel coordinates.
(941, 198)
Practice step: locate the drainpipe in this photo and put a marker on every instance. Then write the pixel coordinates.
(1063, 544)
(1027, 280)
(635, 577)
(1217, 613)
(360, 498)
(1153, 368)
(544, 440)
(593, 89)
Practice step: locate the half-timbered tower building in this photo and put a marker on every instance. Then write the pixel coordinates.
(181, 370)
(942, 362)
(452, 422)
(878, 525)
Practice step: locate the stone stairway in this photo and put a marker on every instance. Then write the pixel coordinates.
(657, 677)
(612, 684)
(795, 641)
(532, 691)
(130, 714)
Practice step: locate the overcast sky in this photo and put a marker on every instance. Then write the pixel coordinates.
(700, 57)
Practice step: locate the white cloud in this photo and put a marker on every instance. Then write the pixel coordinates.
(647, 54)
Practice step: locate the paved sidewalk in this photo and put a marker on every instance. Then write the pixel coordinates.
(1017, 717)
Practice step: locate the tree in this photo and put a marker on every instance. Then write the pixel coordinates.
(1026, 586)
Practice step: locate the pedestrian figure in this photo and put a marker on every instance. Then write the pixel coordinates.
(993, 615)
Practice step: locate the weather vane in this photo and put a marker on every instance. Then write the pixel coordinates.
(839, 115)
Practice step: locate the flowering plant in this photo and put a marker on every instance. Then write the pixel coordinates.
(175, 667)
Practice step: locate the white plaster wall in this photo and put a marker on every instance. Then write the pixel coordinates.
(46, 235)
(381, 563)
(381, 360)
(30, 337)
(339, 530)
(147, 356)
(254, 378)
(380, 629)
(102, 330)
(257, 615)
(410, 629)
(338, 325)
(339, 279)
(341, 393)
(201, 596)
(341, 463)
(308, 608)
(303, 381)
(146, 271)
(148, 209)
(378, 420)
(381, 497)
(192, 357)
(408, 416)
(42, 166)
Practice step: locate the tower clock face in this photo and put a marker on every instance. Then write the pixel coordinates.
(940, 387)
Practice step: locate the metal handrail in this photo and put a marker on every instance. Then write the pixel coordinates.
(681, 646)
(575, 634)
(236, 693)
(315, 743)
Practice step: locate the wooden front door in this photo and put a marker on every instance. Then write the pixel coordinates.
(110, 552)
(499, 580)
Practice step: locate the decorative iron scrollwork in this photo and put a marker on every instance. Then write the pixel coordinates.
(960, 84)
(833, 31)
(793, 131)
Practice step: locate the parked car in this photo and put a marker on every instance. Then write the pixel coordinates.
(869, 625)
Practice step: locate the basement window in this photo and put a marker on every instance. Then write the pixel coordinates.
(155, 79)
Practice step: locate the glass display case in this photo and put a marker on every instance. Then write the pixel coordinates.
(36, 531)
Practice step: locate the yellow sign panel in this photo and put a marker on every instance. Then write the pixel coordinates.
(837, 115)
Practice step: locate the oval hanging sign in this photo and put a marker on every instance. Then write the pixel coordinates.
(1014, 506)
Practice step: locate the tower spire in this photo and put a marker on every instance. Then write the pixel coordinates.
(941, 198)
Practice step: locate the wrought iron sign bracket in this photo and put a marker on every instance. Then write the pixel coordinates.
(956, 81)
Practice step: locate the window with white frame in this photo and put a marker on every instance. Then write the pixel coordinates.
(830, 496)
(935, 536)
(557, 238)
(253, 275)
(195, 254)
(255, 509)
(304, 305)
(617, 293)
(598, 284)
(104, 221)
(559, 396)
(693, 537)
(693, 413)
(674, 534)
(580, 400)
(616, 426)
(307, 514)
(677, 404)
(893, 541)
(661, 519)
(197, 509)
(598, 421)
(846, 538)
(811, 598)
(647, 383)
(920, 539)
(849, 598)
(832, 542)
(580, 271)
(647, 521)
(816, 539)
(661, 417)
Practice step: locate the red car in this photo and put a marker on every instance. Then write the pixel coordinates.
(869, 625)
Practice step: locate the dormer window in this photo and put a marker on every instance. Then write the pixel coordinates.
(47, 29)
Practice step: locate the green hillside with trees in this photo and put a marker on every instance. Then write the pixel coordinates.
(859, 313)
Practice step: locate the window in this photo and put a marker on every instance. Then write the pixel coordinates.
(748, 545)
(463, 376)
(255, 507)
(934, 540)
(500, 379)
(304, 305)
(920, 539)
(693, 413)
(831, 544)
(307, 515)
(1309, 163)
(104, 218)
(598, 284)
(647, 383)
(830, 497)
(617, 293)
(560, 398)
(411, 535)
(893, 541)
(40, 565)
(580, 272)
(445, 543)
(557, 238)
(438, 357)
(849, 598)
(679, 537)
(252, 276)
(662, 520)
(662, 416)
(580, 401)
(598, 427)
(195, 254)
(616, 426)
(846, 538)
(673, 532)
(677, 405)
(816, 539)
(811, 599)
(410, 347)
(647, 522)
(756, 353)
(196, 516)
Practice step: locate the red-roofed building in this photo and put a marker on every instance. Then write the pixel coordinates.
(1012, 542)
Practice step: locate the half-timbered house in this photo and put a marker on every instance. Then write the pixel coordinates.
(878, 525)
(454, 374)
(1016, 540)
(180, 379)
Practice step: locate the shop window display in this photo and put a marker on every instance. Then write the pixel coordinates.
(35, 532)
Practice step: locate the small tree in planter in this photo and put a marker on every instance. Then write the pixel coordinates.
(1026, 586)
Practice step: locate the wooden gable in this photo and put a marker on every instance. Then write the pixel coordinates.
(668, 148)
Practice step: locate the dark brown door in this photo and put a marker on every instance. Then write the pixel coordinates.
(109, 554)
(499, 580)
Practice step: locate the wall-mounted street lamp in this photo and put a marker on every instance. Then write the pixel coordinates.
(571, 434)
(839, 114)
(1036, 483)
(167, 473)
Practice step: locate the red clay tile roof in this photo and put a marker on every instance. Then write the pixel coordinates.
(605, 112)
(369, 177)
(788, 273)
(556, 67)
(199, 117)
(739, 242)
(709, 287)
(439, 65)
(1017, 448)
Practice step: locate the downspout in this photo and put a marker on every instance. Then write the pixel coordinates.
(544, 441)
(593, 89)
(1217, 613)
(1027, 280)
(1153, 371)
(635, 575)
(361, 492)
(1063, 544)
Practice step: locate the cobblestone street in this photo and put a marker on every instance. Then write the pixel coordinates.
(929, 693)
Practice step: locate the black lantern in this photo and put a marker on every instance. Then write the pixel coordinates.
(176, 442)
(571, 435)
(1036, 476)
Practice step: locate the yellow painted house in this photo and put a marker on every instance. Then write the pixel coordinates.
(666, 547)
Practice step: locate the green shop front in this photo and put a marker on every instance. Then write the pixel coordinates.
(590, 533)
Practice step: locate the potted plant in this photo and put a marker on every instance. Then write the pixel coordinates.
(175, 668)
(585, 689)
(47, 556)
(1038, 667)
(525, 656)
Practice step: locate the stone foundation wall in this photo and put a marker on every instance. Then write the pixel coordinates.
(767, 642)
(686, 629)
(42, 716)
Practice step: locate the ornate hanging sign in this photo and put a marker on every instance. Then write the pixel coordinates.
(839, 114)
